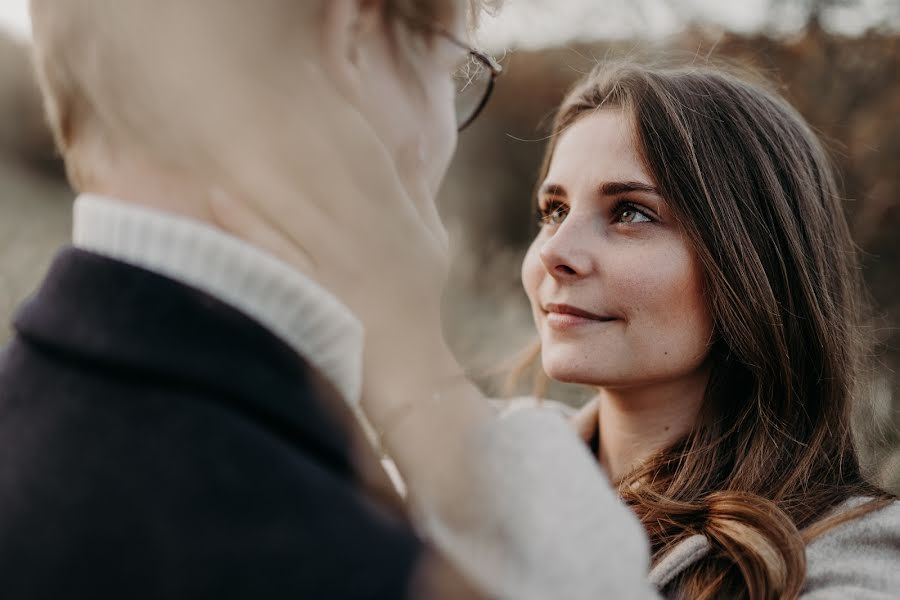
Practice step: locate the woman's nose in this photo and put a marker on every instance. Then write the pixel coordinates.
(565, 254)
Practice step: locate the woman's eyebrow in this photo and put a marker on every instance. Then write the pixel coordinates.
(615, 188)
(552, 189)
(610, 188)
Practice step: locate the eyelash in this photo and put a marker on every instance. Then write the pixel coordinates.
(555, 207)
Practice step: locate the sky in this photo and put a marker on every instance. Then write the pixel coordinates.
(534, 24)
(14, 17)
(538, 23)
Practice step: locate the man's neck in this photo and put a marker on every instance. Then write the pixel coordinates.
(179, 195)
(158, 189)
(636, 422)
(305, 315)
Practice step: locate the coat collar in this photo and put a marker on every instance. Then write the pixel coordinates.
(127, 321)
(285, 301)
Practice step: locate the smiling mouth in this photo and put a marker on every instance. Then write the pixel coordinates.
(562, 311)
(563, 317)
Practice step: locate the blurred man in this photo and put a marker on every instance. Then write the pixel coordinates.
(173, 418)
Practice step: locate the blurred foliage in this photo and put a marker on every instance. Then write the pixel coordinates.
(34, 199)
(846, 87)
(24, 137)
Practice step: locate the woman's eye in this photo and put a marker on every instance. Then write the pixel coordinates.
(629, 213)
(553, 213)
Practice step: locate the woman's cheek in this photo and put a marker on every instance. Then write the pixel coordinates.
(670, 306)
(532, 273)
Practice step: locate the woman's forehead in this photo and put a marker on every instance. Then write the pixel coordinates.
(599, 145)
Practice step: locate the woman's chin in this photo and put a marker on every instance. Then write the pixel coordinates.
(575, 375)
(575, 365)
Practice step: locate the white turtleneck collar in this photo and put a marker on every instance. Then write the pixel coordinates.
(303, 314)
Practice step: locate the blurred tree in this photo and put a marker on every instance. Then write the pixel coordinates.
(814, 13)
(813, 9)
(24, 136)
(34, 199)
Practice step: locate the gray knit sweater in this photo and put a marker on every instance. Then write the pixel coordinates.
(546, 524)
(860, 559)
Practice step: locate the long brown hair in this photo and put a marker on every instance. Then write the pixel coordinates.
(771, 453)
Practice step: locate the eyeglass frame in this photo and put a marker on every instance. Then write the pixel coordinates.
(486, 60)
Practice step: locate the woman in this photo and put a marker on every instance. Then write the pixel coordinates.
(694, 266)
(729, 342)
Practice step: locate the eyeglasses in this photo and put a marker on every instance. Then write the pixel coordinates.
(474, 86)
(474, 79)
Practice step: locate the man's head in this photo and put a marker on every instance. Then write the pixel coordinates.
(173, 83)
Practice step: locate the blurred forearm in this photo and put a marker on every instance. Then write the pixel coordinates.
(519, 503)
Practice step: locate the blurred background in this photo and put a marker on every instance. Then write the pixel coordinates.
(837, 61)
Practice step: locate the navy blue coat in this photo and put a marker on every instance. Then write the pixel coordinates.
(157, 443)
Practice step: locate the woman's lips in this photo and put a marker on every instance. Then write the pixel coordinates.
(564, 316)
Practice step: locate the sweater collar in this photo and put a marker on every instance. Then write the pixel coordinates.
(679, 558)
(303, 314)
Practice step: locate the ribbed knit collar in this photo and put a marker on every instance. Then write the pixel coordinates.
(307, 317)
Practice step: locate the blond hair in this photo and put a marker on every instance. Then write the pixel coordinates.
(160, 78)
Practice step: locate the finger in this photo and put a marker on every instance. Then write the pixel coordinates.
(586, 420)
(410, 164)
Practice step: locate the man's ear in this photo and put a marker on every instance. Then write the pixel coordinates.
(348, 28)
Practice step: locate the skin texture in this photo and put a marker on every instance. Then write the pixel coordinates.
(619, 255)
(400, 84)
(409, 102)
(302, 188)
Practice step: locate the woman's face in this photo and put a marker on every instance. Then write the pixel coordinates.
(615, 289)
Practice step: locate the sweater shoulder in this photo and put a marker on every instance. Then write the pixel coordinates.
(859, 558)
(878, 524)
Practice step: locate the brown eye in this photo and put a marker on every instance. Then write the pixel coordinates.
(553, 213)
(629, 213)
(557, 216)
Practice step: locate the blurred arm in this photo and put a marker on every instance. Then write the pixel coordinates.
(518, 503)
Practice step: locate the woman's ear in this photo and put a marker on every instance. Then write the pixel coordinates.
(350, 28)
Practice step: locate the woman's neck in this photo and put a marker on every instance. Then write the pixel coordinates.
(636, 422)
